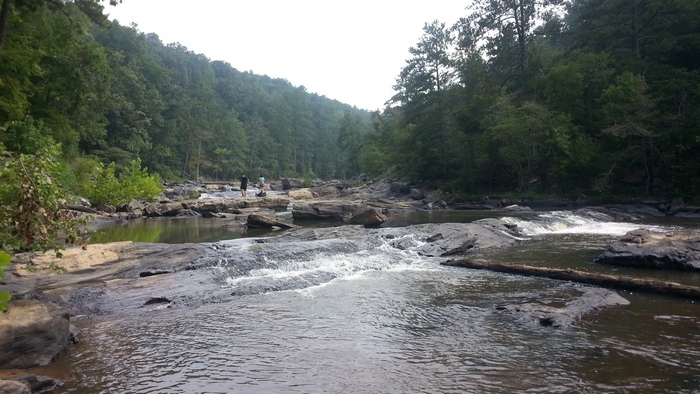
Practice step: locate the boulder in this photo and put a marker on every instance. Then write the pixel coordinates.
(644, 248)
(265, 221)
(591, 300)
(327, 211)
(164, 209)
(32, 334)
(106, 208)
(29, 383)
(319, 211)
(292, 183)
(676, 206)
(417, 194)
(301, 194)
(369, 218)
(14, 387)
(286, 185)
(399, 188)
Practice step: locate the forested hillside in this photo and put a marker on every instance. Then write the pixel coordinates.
(592, 97)
(582, 97)
(115, 94)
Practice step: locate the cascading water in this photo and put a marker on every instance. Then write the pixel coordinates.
(377, 313)
(568, 222)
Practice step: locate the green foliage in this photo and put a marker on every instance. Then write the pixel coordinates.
(516, 94)
(309, 178)
(4, 295)
(105, 187)
(31, 201)
(137, 183)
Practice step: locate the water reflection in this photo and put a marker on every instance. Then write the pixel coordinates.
(176, 230)
(198, 229)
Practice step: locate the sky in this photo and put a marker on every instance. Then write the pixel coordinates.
(348, 50)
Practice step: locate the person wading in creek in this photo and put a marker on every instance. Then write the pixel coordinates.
(244, 185)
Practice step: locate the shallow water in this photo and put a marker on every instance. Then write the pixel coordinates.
(389, 321)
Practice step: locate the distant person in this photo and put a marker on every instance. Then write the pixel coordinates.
(244, 185)
(261, 184)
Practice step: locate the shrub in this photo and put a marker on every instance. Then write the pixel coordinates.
(105, 187)
(31, 201)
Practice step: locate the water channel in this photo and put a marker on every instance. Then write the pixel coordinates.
(390, 321)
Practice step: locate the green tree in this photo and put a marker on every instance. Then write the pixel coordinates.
(628, 111)
(532, 142)
(350, 139)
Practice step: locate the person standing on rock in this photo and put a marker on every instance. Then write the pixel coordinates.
(261, 184)
(244, 185)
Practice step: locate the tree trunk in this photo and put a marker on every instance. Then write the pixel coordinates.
(609, 281)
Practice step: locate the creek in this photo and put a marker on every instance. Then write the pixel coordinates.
(386, 320)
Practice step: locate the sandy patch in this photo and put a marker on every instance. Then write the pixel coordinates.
(73, 259)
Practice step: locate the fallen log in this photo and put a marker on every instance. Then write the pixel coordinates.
(79, 208)
(609, 281)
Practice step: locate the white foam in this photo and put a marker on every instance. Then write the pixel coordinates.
(566, 222)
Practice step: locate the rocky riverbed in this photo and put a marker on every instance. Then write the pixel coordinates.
(128, 277)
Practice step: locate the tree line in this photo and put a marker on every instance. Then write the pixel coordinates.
(580, 97)
(583, 97)
(112, 94)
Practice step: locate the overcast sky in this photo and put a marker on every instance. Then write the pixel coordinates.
(351, 50)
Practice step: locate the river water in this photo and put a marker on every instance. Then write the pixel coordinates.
(390, 321)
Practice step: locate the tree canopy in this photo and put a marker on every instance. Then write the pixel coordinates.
(592, 97)
(116, 94)
(580, 97)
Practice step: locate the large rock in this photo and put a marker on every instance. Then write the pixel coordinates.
(591, 300)
(301, 194)
(32, 334)
(399, 188)
(369, 218)
(265, 221)
(14, 387)
(417, 194)
(327, 211)
(233, 205)
(164, 209)
(18, 383)
(648, 249)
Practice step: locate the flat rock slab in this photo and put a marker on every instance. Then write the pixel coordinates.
(644, 248)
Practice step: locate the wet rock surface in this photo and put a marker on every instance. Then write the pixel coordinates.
(642, 248)
(123, 276)
(588, 301)
(32, 333)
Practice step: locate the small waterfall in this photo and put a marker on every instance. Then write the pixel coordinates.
(302, 265)
(568, 222)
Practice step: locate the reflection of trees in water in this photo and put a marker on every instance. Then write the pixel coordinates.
(182, 230)
(128, 232)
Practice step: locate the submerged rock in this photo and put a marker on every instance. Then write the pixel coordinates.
(590, 300)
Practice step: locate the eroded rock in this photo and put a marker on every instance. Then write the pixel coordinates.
(32, 334)
(644, 248)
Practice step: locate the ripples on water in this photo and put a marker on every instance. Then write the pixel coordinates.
(388, 321)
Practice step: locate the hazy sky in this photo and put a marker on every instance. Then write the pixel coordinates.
(351, 50)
